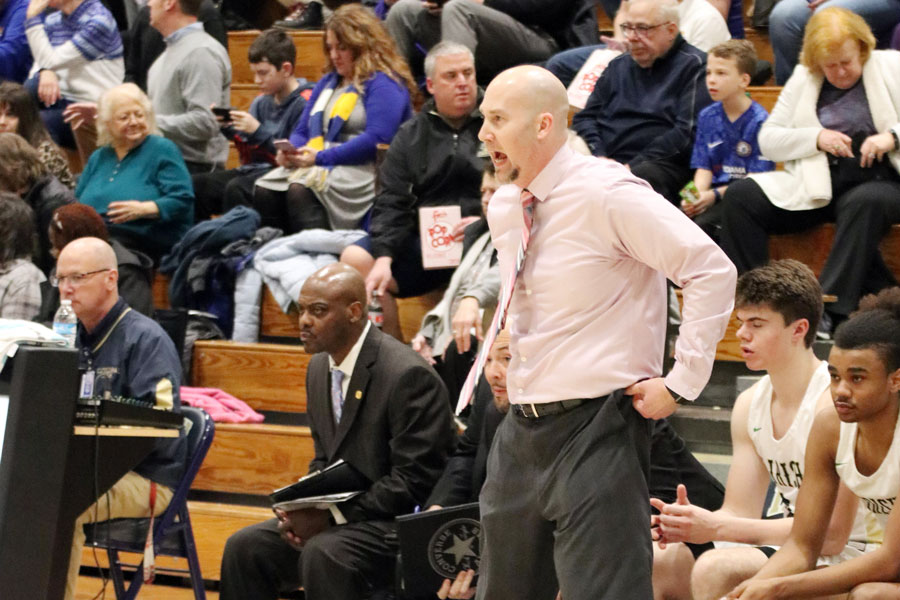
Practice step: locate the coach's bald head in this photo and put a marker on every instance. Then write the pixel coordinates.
(525, 115)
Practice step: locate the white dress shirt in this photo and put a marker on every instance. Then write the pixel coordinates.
(349, 363)
(588, 315)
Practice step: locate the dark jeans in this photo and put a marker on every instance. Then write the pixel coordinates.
(292, 211)
(348, 562)
(862, 216)
(218, 192)
(52, 116)
(565, 506)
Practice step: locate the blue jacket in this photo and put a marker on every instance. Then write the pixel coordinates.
(15, 55)
(133, 357)
(636, 114)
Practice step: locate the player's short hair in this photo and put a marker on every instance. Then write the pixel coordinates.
(273, 46)
(788, 287)
(741, 51)
(876, 326)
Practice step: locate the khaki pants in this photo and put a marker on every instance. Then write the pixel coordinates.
(128, 498)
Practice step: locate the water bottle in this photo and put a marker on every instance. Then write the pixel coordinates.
(65, 322)
(376, 314)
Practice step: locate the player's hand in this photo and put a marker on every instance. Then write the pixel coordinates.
(461, 587)
(682, 521)
(468, 315)
(80, 113)
(244, 121)
(651, 398)
(834, 143)
(706, 199)
(48, 87)
(421, 345)
(874, 148)
(379, 278)
(757, 589)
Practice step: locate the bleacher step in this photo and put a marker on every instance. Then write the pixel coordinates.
(268, 377)
(704, 428)
(255, 459)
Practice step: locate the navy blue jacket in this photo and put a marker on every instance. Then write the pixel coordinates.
(636, 114)
(133, 357)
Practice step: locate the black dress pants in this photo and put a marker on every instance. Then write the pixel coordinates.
(346, 562)
(862, 216)
(218, 192)
(565, 506)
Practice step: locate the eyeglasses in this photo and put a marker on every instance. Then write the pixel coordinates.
(75, 279)
(640, 30)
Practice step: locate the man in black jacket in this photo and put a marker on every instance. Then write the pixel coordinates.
(643, 110)
(374, 403)
(500, 33)
(433, 161)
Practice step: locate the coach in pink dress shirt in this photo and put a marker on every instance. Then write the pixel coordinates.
(565, 505)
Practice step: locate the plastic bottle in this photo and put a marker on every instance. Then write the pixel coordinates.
(65, 322)
(376, 314)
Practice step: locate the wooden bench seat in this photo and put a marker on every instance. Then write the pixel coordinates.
(265, 376)
(310, 61)
(255, 459)
(212, 523)
(811, 248)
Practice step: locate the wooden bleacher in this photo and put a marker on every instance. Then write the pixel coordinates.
(811, 248)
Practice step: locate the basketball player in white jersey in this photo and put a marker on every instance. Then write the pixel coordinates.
(779, 306)
(858, 444)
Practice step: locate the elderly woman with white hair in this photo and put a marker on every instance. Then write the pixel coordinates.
(136, 180)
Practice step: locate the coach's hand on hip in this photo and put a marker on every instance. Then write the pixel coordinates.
(651, 398)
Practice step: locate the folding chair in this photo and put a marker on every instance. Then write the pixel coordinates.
(172, 534)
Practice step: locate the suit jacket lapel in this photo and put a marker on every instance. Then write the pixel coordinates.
(359, 381)
(320, 394)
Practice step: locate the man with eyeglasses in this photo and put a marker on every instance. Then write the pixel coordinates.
(642, 112)
(122, 353)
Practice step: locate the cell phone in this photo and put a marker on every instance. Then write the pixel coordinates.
(224, 112)
(284, 145)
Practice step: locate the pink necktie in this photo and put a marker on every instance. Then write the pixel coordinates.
(465, 395)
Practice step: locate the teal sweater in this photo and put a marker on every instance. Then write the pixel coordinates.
(152, 171)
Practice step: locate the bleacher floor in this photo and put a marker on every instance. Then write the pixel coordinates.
(88, 587)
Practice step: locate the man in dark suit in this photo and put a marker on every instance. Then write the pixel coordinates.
(375, 403)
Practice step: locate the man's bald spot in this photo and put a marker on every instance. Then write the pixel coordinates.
(340, 282)
(536, 89)
(93, 252)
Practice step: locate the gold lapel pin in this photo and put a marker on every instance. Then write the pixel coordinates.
(358, 394)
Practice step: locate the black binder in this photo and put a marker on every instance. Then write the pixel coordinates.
(437, 545)
(336, 478)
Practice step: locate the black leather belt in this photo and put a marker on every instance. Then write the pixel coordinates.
(536, 411)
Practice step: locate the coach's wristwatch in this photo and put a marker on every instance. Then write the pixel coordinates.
(679, 399)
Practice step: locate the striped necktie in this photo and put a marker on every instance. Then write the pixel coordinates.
(465, 395)
(337, 394)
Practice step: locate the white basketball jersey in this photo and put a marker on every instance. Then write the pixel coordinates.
(876, 492)
(784, 457)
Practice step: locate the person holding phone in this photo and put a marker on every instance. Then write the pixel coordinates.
(328, 180)
(272, 115)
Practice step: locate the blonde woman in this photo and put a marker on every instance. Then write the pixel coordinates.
(136, 180)
(836, 128)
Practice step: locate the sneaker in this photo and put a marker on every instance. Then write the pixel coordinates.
(310, 17)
